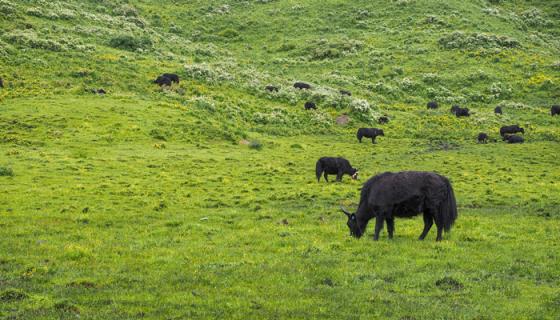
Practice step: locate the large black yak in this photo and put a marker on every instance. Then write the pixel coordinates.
(310, 105)
(338, 166)
(369, 133)
(514, 128)
(302, 85)
(513, 139)
(555, 110)
(482, 137)
(498, 110)
(460, 112)
(432, 105)
(404, 194)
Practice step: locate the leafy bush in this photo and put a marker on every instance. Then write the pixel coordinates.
(6, 172)
(328, 49)
(130, 42)
(28, 38)
(461, 40)
(228, 33)
(255, 144)
(533, 18)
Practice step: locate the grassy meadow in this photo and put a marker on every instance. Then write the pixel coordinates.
(200, 201)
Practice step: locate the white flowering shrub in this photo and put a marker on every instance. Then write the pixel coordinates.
(207, 73)
(461, 40)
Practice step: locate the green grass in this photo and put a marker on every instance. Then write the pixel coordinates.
(200, 201)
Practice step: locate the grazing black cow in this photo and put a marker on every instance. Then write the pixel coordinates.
(482, 138)
(272, 88)
(338, 166)
(345, 92)
(163, 81)
(555, 110)
(1, 83)
(513, 138)
(460, 112)
(383, 120)
(511, 130)
(454, 109)
(310, 105)
(498, 110)
(432, 105)
(101, 91)
(302, 85)
(404, 194)
(369, 133)
(173, 77)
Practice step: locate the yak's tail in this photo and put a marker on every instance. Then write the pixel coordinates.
(448, 208)
(319, 170)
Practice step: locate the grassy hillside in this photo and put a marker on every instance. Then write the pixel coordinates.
(200, 201)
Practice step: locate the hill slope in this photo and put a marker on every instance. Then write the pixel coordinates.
(143, 203)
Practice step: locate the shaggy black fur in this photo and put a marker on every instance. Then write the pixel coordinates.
(302, 85)
(310, 105)
(498, 110)
(163, 81)
(432, 105)
(513, 139)
(272, 88)
(555, 110)
(173, 77)
(369, 133)
(383, 120)
(460, 112)
(514, 128)
(345, 93)
(482, 138)
(338, 166)
(404, 194)
(1, 83)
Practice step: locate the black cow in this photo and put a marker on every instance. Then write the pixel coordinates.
(173, 77)
(498, 110)
(310, 105)
(482, 138)
(272, 88)
(511, 130)
(432, 105)
(345, 92)
(369, 133)
(404, 194)
(513, 138)
(302, 85)
(383, 120)
(1, 83)
(163, 81)
(338, 166)
(555, 110)
(101, 91)
(460, 112)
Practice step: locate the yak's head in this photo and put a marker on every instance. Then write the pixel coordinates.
(352, 223)
(381, 133)
(522, 130)
(354, 173)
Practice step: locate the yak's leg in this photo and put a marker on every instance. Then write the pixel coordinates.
(326, 176)
(373, 139)
(439, 226)
(428, 222)
(378, 226)
(390, 226)
(339, 176)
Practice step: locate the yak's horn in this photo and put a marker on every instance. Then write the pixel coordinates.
(345, 211)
